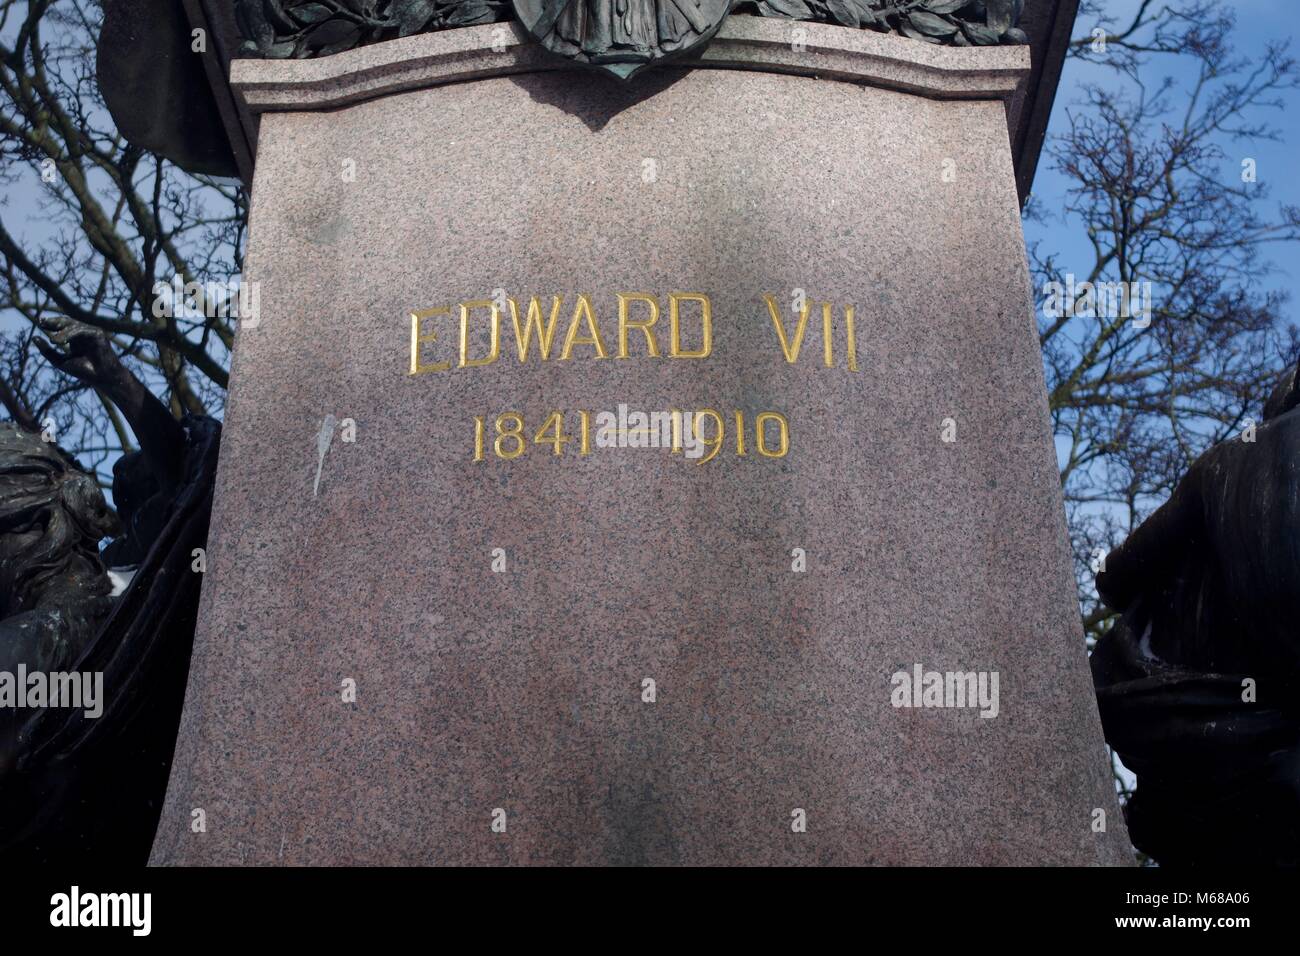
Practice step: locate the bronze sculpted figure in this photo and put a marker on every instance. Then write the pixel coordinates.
(1198, 683)
(78, 786)
(618, 36)
(53, 586)
(621, 35)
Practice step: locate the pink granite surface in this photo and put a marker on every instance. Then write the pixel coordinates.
(742, 42)
(522, 690)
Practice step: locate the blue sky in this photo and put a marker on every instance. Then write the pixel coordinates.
(1278, 169)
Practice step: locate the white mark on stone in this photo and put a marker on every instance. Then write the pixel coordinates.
(323, 439)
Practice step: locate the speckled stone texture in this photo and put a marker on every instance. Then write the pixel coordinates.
(522, 690)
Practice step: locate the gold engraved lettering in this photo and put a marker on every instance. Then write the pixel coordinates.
(624, 323)
(714, 443)
(533, 321)
(675, 299)
(418, 338)
(583, 308)
(761, 438)
(495, 337)
(790, 350)
(516, 433)
(554, 420)
(828, 351)
(585, 447)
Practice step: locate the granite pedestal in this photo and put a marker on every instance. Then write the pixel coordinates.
(503, 715)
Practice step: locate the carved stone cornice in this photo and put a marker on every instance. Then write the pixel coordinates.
(745, 43)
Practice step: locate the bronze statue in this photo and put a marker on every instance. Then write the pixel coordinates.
(1198, 683)
(621, 35)
(77, 787)
(610, 31)
(54, 589)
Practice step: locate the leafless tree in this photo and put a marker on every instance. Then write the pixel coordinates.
(89, 226)
(1163, 196)
(1161, 190)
